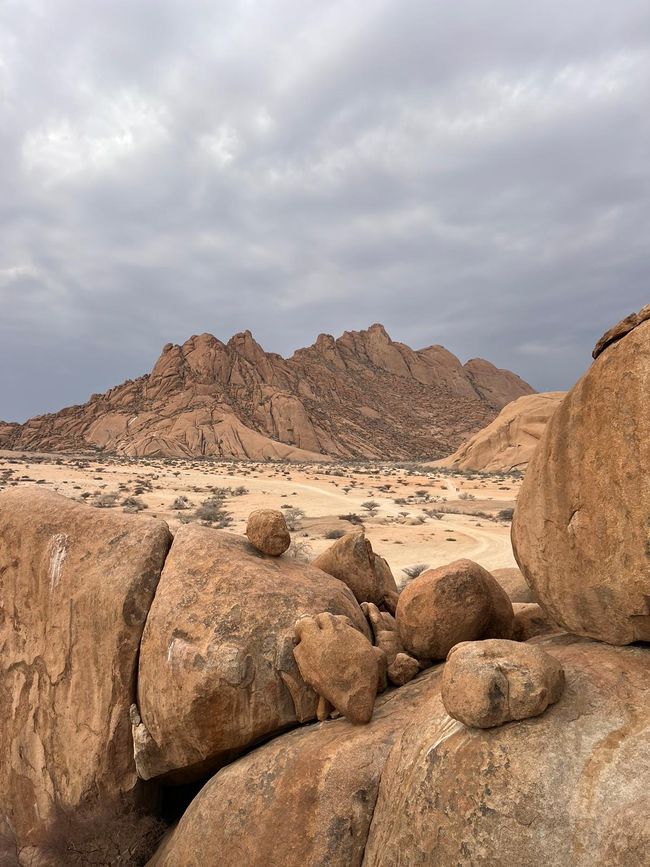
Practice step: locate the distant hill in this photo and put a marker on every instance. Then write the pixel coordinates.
(362, 395)
(509, 441)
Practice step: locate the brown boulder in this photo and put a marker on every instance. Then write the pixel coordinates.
(621, 329)
(76, 584)
(305, 798)
(454, 603)
(488, 683)
(531, 620)
(338, 662)
(580, 531)
(565, 788)
(400, 666)
(217, 671)
(514, 583)
(352, 560)
(268, 532)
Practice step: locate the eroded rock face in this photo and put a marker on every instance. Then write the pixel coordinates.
(531, 620)
(268, 532)
(514, 583)
(550, 791)
(488, 683)
(454, 603)
(400, 667)
(75, 587)
(305, 798)
(352, 560)
(580, 531)
(217, 670)
(338, 662)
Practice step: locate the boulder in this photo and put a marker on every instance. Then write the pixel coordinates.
(305, 798)
(488, 683)
(569, 787)
(514, 583)
(267, 531)
(76, 584)
(531, 620)
(580, 531)
(400, 666)
(352, 560)
(338, 662)
(454, 603)
(217, 671)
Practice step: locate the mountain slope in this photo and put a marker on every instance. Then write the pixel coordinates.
(361, 395)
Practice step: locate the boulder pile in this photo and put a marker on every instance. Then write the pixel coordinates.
(308, 714)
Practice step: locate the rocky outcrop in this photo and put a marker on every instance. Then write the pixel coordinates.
(362, 395)
(450, 604)
(8, 431)
(267, 531)
(489, 683)
(565, 789)
(352, 560)
(76, 584)
(508, 442)
(217, 670)
(580, 531)
(531, 620)
(400, 666)
(514, 583)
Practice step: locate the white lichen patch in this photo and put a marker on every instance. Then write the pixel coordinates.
(57, 551)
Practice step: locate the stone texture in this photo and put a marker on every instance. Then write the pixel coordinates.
(268, 532)
(621, 329)
(305, 798)
(565, 788)
(509, 441)
(489, 683)
(217, 671)
(531, 620)
(400, 667)
(352, 560)
(454, 603)
(212, 398)
(514, 583)
(339, 662)
(580, 532)
(75, 587)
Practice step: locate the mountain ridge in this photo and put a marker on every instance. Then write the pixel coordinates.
(361, 395)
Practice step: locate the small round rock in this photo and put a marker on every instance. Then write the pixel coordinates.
(268, 532)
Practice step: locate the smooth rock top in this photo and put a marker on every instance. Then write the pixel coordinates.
(268, 532)
(488, 683)
(352, 560)
(580, 531)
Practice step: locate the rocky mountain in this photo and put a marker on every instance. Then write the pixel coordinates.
(7, 432)
(510, 440)
(362, 395)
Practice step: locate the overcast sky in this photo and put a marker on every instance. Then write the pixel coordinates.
(468, 172)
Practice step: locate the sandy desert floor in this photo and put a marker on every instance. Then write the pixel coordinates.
(420, 515)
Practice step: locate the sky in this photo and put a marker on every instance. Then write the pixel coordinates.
(473, 173)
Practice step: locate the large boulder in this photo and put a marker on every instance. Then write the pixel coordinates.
(305, 798)
(489, 683)
(217, 671)
(457, 602)
(268, 532)
(514, 583)
(76, 584)
(569, 787)
(352, 560)
(580, 531)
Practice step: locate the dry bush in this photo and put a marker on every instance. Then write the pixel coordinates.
(301, 551)
(414, 571)
(334, 534)
(293, 517)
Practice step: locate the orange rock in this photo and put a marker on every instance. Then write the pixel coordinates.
(268, 532)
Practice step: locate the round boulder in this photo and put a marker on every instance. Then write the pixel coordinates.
(268, 532)
(581, 529)
(454, 603)
(489, 683)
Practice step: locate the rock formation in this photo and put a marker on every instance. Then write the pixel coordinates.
(352, 560)
(450, 604)
(531, 620)
(217, 670)
(362, 395)
(267, 531)
(489, 683)
(581, 531)
(76, 585)
(8, 431)
(508, 442)
(400, 666)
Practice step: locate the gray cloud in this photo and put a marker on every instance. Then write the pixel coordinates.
(471, 173)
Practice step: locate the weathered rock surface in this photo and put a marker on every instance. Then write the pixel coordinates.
(531, 620)
(306, 798)
(400, 667)
(457, 602)
(75, 587)
(489, 683)
(339, 662)
(580, 532)
(509, 441)
(621, 329)
(268, 532)
(8, 431)
(514, 583)
(217, 670)
(352, 560)
(565, 788)
(362, 395)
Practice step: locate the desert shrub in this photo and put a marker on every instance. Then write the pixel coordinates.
(351, 518)
(435, 513)
(211, 511)
(133, 504)
(300, 550)
(293, 517)
(414, 571)
(180, 504)
(465, 495)
(334, 534)
(105, 501)
(506, 514)
(371, 506)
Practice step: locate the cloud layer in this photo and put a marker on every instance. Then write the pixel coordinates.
(471, 173)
